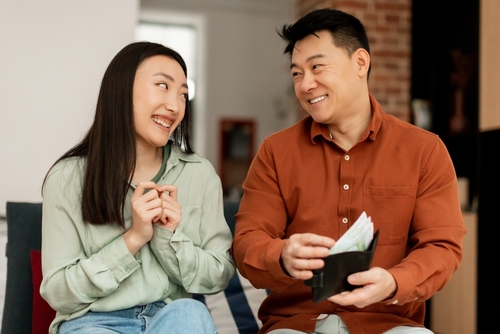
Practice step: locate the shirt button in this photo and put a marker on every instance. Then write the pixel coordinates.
(346, 187)
(346, 157)
(345, 220)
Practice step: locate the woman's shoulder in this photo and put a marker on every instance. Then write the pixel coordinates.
(64, 182)
(67, 170)
(68, 165)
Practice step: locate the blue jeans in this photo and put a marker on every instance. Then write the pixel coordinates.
(179, 317)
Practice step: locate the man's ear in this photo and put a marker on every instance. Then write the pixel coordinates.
(362, 61)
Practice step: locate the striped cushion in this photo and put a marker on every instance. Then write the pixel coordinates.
(234, 310)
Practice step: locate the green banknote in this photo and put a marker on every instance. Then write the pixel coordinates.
(357, 237)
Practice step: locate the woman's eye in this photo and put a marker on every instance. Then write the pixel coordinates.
(163, 85)
(184, 96)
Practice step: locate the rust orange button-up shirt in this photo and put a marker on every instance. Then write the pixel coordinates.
(301, 181)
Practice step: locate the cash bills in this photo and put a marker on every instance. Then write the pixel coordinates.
(357, 237)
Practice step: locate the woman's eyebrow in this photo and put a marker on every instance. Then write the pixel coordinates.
(169, 77)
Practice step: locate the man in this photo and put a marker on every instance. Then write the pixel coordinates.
(309, 183)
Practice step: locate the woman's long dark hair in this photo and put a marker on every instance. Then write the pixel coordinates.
(110, 146)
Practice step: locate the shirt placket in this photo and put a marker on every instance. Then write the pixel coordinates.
(345, 192)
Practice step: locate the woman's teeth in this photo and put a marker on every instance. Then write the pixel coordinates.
(161, 122)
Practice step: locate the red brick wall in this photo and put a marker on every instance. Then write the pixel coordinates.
(388, 26)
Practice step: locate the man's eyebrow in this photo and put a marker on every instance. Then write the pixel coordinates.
(169, 77)
(319, 55)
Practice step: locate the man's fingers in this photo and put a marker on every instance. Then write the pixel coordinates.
(375, 284)
(305, 252)
(311, 239)
(303, 268)
(310, 252)
(308, 264)
(302, 274)
(308, 245)
(366, 277)
(355, 297)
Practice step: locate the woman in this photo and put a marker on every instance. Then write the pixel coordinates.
(132, 218)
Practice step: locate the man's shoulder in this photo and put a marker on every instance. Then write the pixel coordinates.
(398, 127)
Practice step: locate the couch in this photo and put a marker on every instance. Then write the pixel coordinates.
(234, 310)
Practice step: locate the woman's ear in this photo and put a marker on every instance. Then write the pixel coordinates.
(362, 61)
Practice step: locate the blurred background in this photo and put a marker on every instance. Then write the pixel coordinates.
(434, 64)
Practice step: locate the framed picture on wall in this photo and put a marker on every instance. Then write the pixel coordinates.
(237, 137)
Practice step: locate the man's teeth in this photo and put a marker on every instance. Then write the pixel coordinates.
(321, 98)
(161, 122)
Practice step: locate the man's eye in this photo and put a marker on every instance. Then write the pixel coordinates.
(294, 74)
(316, 66)
(184, 96)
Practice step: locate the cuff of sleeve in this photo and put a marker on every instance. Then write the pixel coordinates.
(163, 237)
(273, 264)
(171, 247)
(119, 260)
(405, 291)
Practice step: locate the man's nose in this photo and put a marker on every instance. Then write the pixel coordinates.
(308, 82)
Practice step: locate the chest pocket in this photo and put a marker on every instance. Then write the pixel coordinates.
(391, 210)
(191, 223)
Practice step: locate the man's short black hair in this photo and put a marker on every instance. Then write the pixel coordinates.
(347, 31)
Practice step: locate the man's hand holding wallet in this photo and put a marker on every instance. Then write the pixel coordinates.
(326, 265)
(352, 253)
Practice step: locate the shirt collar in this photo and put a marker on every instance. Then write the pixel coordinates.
(318, 129)
(176, 154)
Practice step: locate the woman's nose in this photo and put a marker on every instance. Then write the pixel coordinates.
(172, 105)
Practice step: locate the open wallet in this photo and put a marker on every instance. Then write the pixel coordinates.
(332, 278)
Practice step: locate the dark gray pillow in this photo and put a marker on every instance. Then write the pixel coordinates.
(24, 227)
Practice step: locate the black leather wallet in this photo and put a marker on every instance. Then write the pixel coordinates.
(332, 278)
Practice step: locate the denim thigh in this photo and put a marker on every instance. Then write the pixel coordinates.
(180, 316)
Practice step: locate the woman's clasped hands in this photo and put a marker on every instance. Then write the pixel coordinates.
(157, 204)
(152, 203)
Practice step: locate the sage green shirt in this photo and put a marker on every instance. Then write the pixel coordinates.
(89, 268)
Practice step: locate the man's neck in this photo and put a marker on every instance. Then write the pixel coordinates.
(347, 133)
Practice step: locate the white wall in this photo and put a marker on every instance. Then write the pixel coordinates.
(52, 57)
(53, 54)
